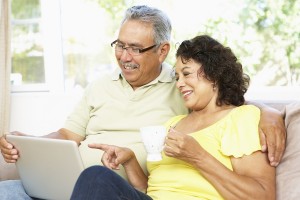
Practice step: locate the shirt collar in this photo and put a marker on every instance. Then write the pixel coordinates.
(166, 75)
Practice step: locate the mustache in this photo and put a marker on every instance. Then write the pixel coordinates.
(129, 65)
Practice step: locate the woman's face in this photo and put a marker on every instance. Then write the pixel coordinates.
(197, 91)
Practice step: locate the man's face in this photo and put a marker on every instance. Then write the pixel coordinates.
(140, 69)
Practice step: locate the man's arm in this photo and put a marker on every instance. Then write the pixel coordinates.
(65, 134)
(272, 132)
(10, 154)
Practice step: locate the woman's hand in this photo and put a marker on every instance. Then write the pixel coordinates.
(183, 147)
(113, 155)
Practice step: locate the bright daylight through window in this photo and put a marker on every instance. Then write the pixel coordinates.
(62, 45)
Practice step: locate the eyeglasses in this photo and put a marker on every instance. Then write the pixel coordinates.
(134, 51)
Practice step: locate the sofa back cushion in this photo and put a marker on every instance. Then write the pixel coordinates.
(288, 171)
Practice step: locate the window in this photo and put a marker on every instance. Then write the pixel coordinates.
(62, 45)
(36, 46)
(27, 47)
(86, 39)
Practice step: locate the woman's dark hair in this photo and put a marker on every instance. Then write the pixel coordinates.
(219, 65)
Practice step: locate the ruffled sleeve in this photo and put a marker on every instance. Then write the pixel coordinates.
(240, 136)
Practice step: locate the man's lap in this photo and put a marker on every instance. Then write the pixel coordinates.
(12, 190)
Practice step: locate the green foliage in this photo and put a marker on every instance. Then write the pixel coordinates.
(114, 7)
(265, 36)
(25, 9)
(276, 24)
(31, 67)
(268, 41)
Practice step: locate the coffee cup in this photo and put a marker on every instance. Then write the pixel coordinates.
(153, 138)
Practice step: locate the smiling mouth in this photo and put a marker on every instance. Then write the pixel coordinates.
(130, 66)
(186, 93)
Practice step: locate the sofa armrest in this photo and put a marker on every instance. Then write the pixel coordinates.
(8, 171)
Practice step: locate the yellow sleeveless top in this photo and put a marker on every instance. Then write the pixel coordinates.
(234, 135)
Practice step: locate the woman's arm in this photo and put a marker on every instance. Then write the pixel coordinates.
(252, 176)
(114, 156)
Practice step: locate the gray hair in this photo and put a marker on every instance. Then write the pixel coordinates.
(161, 23)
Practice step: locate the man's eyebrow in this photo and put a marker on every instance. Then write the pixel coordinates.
(130, 44)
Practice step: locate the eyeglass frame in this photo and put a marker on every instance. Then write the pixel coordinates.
(140, 51)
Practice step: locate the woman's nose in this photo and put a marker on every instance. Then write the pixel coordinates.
(180, 83)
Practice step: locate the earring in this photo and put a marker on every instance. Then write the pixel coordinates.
(214, 86)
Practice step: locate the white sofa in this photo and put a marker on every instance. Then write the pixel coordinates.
(287, 173)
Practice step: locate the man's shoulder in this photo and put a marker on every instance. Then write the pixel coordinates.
(104, 80)
(167, 73)
(166, 67)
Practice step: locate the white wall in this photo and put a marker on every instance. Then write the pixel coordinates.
(40, 113)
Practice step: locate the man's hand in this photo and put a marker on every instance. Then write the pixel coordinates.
(272, 134)
(9, 153)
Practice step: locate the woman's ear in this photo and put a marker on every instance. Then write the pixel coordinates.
(164, 50)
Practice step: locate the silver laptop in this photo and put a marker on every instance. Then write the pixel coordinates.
(48, 168)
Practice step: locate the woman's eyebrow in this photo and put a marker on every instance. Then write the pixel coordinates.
(185, 67)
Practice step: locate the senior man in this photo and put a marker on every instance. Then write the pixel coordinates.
(140, 92)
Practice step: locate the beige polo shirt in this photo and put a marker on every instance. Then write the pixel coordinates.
(111, 112)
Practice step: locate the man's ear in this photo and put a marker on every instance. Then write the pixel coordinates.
(164, 50)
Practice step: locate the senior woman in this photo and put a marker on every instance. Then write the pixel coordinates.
(211, 153)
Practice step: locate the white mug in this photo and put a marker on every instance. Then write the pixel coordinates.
(153, 138)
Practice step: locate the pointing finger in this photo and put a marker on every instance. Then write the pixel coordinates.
(103, 147)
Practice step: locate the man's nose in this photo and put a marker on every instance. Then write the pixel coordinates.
(125, 56)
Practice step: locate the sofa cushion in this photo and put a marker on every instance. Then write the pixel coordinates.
(7, 171)
(288, 171)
